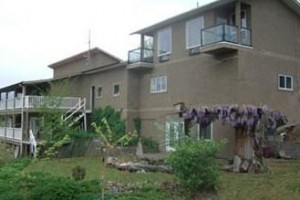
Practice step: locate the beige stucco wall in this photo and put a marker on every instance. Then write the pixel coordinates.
(248, 77)
(276, 50)
(97, 60)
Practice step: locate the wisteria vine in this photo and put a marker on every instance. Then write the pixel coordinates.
(248, 117)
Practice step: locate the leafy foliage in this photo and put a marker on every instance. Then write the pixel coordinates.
(110, 139)
(78, 173)
(255, 121)
(194, 164)
(138, 125)
(5, 153)
(113, 119)
(15, 185)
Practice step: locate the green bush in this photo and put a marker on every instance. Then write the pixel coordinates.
(78, 173)
(5, 153)
(194, 164)
(113, 117)
(17, 185)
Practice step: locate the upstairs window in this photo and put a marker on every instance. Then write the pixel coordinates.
(193, 32)
(116, 90)
(158, 84)
(164, 41)
(285, 82)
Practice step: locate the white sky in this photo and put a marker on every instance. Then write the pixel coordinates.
(35, 33)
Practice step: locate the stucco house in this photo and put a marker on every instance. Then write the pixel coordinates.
(226, 52)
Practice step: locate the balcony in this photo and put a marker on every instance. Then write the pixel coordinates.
(12, 134)
(31, 102)
(141, 58)
(224, 38)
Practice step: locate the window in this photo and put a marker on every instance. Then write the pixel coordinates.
(99, 92)
(285, 82)
(205, 132)
(164, 41)
(116, 90)
(199, 132)
(174, 131)
(158, 84)
(193, 32)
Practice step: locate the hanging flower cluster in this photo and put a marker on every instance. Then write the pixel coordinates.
(244, 116)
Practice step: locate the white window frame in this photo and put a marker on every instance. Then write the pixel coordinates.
(190, 24)
(285, 81)
(169, 147)
(113, 89)
(97, 91)
(158, 84)
(160, 33)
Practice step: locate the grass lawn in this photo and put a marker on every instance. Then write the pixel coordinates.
(95, 169)
(283, 182)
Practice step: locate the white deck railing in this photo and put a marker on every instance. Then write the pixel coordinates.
(39, 101)
(11, 133)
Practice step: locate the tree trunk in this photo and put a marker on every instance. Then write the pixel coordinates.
(258, 153)
(247, 147)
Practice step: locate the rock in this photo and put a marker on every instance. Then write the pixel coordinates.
(236, 164)
(283, 155)
(110, 161)
(228, 168)
(139, 149)
(245, 166)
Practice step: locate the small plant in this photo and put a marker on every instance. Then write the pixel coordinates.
(194, 164)
(78, 173)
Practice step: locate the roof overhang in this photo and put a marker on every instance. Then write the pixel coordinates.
(82, 56)
(149, 30)
(24, 83)
(293, 4)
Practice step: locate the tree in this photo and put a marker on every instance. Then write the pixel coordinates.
(250, 122)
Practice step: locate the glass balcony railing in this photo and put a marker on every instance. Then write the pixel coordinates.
(140, 55)
(219, 33)
(246, 37)
(225, 33)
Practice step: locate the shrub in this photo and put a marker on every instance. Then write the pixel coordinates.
(78, 173)
(194, 164)
(5, 153)
(113, 117)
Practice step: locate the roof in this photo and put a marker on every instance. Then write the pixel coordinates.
(25, 83)
(293, 4)
(185, 15)
(83, 55)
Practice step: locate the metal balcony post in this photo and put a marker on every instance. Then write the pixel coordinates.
(223, 35)
(142, 48)
(238, 20)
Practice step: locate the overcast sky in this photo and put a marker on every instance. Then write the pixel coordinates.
(35, 33)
